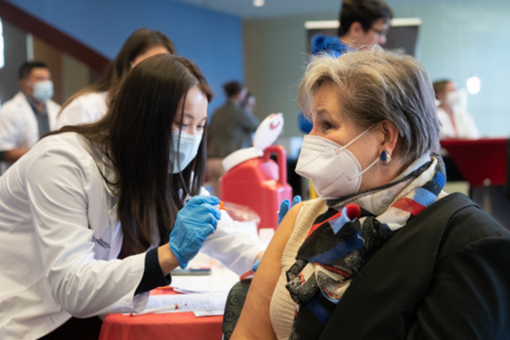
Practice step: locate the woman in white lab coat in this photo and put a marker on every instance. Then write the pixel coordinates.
(454, 120)
(95, 216)
(90, 104)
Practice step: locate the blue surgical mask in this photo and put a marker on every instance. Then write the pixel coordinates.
(43, 91)
(188, 150)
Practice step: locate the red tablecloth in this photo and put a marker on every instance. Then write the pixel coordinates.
(169, 326)
(481, 161)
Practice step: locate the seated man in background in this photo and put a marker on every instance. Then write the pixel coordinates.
(455, 121)
(29, 114)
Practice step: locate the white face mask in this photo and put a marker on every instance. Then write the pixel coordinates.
(453, 98)
(188, 150)
(335, 172)
(43, 91)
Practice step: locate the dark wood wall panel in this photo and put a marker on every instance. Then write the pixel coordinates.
(52, 36)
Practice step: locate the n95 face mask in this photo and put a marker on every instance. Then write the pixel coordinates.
(185, 150)
(43, 91)
(335, 172)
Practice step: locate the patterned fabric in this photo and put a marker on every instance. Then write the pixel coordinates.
(344, 238)
(233, 307)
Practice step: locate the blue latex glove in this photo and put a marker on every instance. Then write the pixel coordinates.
(197, 220)
(256, 264)
(284, 207)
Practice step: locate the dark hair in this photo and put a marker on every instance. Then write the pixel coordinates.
(26, 68)
(363, 11)
(136, 44)
(232, 88)
(136, 134)
(440, 85)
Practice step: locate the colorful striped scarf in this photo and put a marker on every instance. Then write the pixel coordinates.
(346, 237)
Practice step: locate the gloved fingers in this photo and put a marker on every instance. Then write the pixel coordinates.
(212, 209)
(193, 235)
(284, 208)
(285, 205)
(296, 200)
(209, 229)
(203, 215)
(256, 264)
(204, 204)
(199, 223)
(210, 220)
(201, 199)
(186, 241)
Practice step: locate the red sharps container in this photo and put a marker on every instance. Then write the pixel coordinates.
(253, 179)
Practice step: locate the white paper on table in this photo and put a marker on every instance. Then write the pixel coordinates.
(205, 304)
(209, 312)
(205, 295)
(222, 280)
(188, 302)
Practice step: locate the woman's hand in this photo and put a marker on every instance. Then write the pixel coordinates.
(197, 220)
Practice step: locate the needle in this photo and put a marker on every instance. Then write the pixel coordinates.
(155, 310)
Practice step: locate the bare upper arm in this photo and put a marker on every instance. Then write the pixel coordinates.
(254, 322)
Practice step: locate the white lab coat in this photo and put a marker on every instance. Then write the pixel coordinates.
(60, 237)
(85, 109)
(465, 124)
(18, 125)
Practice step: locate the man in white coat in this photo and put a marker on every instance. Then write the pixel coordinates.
(29, 114)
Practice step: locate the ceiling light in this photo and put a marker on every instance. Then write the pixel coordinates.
(258, 3)
(473, 85)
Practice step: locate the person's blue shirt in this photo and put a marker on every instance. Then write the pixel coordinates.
(331, 45)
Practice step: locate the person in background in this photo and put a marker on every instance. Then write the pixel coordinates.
(94, 216)
(231, 128)
(29, 114)
(383, 252)
(363, 25)
(91, 103)
(455, 121)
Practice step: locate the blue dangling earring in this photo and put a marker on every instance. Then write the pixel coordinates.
(385, 158)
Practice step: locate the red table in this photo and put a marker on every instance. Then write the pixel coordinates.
(179, 326)
(481, 161)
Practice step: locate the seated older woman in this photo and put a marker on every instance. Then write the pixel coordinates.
(383, 252)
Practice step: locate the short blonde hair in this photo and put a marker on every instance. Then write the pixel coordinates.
(377, 85)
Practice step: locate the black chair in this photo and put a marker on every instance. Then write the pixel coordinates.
(233, 306)
(507, 184)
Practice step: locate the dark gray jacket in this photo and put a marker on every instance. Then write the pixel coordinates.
(446, 275)
(230, 129)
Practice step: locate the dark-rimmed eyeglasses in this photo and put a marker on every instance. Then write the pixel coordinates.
(381, 33)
